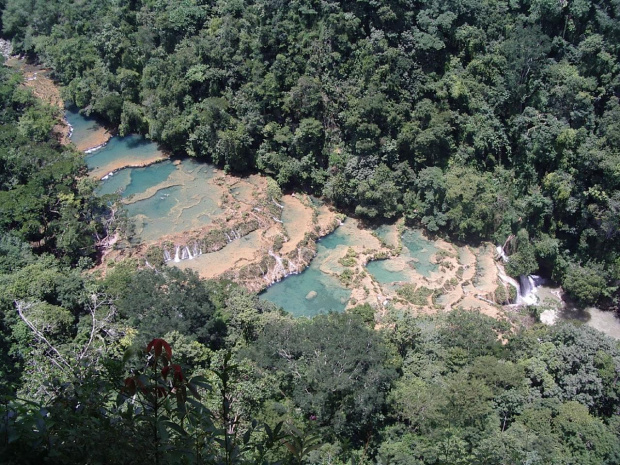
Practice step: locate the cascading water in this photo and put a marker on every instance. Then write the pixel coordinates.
(293, 268)
(280, 264)
(183, 253)
(526, 286)
(527, 290)
(501, 253)
(511, 282)
(188, 253)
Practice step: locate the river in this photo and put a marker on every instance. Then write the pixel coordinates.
(172, 198)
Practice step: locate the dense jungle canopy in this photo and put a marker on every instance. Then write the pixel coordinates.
(474, 119)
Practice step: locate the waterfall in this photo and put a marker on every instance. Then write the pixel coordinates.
(196, 249)
(278, 261)
(526, 285)
(176, 254)
(167, 256)
(228, 237)
(501, 254)
(527, 288)
(188, 253)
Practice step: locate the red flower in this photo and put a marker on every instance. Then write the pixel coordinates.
(178, 372)
(130, 386)
(158, 344)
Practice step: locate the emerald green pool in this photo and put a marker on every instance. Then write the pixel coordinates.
(162, 198)
(83, 127)
(417, 251)
(168, 198)
(387, 234)
(380, 270)
(291, 292)
(157, 207)
(129, 150)
(420, 250)
(133, 181)
(132, 150)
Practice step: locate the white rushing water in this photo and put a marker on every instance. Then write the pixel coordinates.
(501, 253)
(6, 50)
(527, 286)
(534, 290)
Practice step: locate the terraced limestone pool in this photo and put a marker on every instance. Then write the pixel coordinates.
(162, 198)
(83, 128)
(131, 150)
(314, 291)
(388, 233)
(415, 256)
(134, 181)
(167, 198)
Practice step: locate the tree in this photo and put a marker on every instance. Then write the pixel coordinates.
(586, 284)
(567, 364)
(523, 261)
(333, 367)
(232, 148)
(160, 302)
(586, 439)
(471, 331)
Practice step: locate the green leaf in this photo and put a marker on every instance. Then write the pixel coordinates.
(174, 427)
(193, 390)
(200, 381)
(162, 431)
(246, 436)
